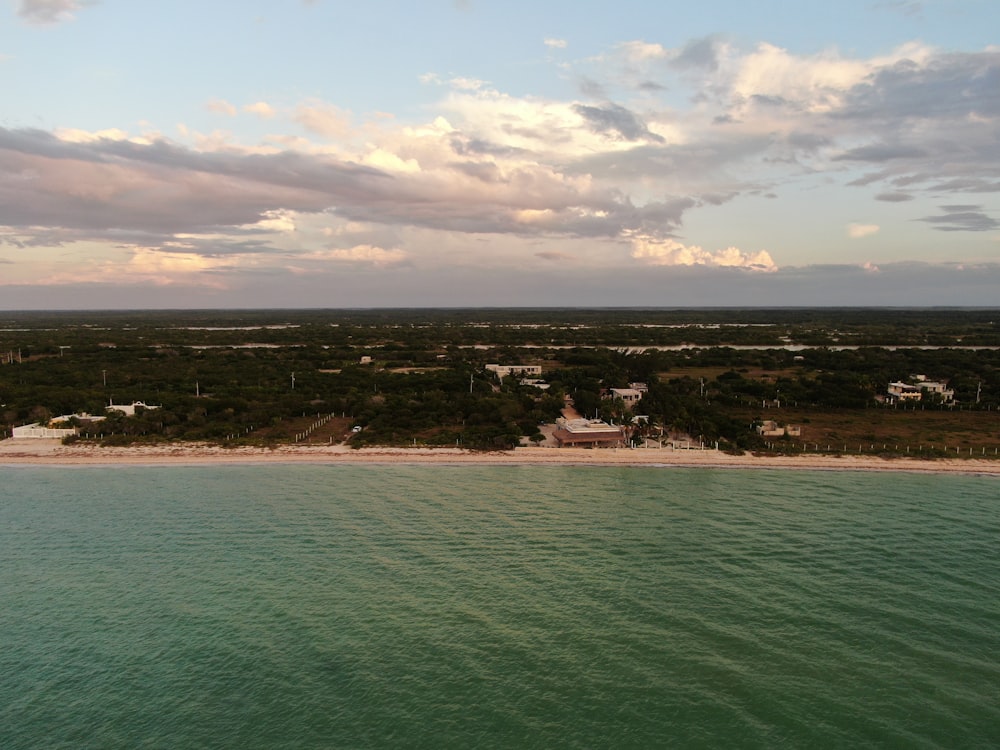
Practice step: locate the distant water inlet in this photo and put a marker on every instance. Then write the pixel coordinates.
(522, 607)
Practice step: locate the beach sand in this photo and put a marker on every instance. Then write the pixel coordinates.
(53, 452)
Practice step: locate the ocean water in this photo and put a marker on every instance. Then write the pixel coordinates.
(510, 607)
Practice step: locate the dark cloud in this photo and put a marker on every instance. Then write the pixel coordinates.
(464, 146)
(50, 11)
(484, 171)
(613, 118)
(880, 152)
(905, 7)
(769, 101)
(158, 190)
(967, 185)
(962, 218)
(954, 86)
(808, 141)
(592, 89)
(702, 54)
(695, 160)
(651, 86)
(894, 197)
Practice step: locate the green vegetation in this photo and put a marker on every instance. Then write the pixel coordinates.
(270, 377)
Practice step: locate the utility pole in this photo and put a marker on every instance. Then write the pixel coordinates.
(293, 381)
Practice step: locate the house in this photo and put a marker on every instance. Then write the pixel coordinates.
(504, 370)
(770, 428)
(57, 427)
(39, 431)
(900, 391)
(535, 383)
(587, 433)
(914, 390)
(631, 396)
(129, 409)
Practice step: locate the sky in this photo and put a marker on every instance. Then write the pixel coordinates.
(456, 153)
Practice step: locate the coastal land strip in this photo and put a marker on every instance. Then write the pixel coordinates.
(41, 452)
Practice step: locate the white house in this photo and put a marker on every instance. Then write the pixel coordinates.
(57, 427)
(900, 391)
(38, 431)
(503, 371)
(631, 396)
(914, 391)
(129, 409)
(770, 428)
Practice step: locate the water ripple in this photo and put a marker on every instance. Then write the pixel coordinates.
(528, 607)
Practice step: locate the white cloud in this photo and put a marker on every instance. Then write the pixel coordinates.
(555, 43)
(261, 109)
(857, 231)
(74, 135)
(467, 84)
(369, 255)
(323, 119)
(277, 221)
(670, 252)
(222, 107)
(638, 52)
(49, 11)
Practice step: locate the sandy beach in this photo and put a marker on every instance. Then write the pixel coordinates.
(54, 453)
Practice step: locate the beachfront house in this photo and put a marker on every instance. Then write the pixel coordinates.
(770, 428)
(129, 409)
(55, 428)
(587, 433)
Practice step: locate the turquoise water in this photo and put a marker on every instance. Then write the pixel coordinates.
(525, 607)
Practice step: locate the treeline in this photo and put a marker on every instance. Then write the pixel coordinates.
(245, 376)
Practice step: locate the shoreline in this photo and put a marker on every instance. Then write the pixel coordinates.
(53, 453)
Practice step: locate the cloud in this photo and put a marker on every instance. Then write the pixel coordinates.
(553, 255)
(221, 106)
(880, 152)
(904, 7)
(963, 218)
(261, 109)
(483, 163)
(323, 119)
(699, 53)
(467, 84)
(670, 252)
(857, 231)
(50, 11)
(555, 43)
(368, 255)
(615, 119)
